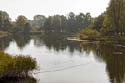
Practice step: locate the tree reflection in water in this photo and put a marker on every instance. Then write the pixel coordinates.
(112, 54)
(56, 41)
(4, 42)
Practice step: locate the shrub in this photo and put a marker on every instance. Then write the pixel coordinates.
(89, 34)
(15, 66)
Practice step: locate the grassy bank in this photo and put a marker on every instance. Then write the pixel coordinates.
(15, 66)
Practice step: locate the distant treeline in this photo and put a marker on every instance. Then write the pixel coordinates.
(110, 22)
(21, 24)
(61, 23)
(57, 23)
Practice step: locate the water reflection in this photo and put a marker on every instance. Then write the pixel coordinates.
(112, 54)
(4, 42)
(114, 57)
(21, 40)
(51, 40)
(56, 41)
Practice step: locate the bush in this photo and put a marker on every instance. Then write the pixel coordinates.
(15, 66)
(89, 34)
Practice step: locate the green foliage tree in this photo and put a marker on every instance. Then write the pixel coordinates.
(57, 23)
(88, 20)
(39, 21)
(5, 24)
(22, 25)
(71, 23)
(21, 21)
(98, 22)
(114, 18)
(80, 20)
(27, 28)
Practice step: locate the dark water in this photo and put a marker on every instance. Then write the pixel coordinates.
(62, 61)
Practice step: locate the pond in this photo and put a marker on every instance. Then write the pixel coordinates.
(63, 61)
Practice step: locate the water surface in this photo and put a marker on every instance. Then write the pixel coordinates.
(62, 61)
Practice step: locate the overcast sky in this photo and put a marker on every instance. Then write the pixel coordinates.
(29, 8)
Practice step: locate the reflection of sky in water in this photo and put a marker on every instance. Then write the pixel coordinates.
(63, 66)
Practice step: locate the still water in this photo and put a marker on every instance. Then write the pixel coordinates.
(62, 61)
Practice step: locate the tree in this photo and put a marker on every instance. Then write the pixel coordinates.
(88, 20)
(98, 22)
(80, 20)
(39, 21)
(71, 22)
(115, 16)
(5, 23)
(55, 23)
(27, 28)
(48, 24)
(22, 25)
(21, 21)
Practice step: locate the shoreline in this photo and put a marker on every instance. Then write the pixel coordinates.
(104, 39)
